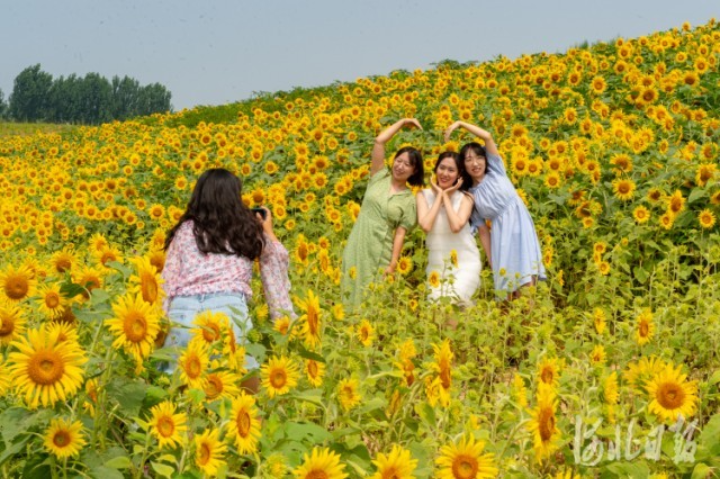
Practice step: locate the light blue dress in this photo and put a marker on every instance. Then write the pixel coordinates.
(514, 245)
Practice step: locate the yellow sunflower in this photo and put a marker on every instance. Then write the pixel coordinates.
(12, 322)
(396, 465)
(597, 356)
(404, 265)
(322, 463)
(641, 215)
(434, 279)
(671, 394)
(64, 331)
(169, 428)
(64, 260)
(193, 365)
(639, 372)
(310, 319)
(244, 426)
(209, 451)
(347, 393)
(135, 326)
(645, 327)
(211, 326)
(221, 384)
(44, 370)
(279, 375)
(51, 302)
(623, 189)
(465, 460)
(610, 389)
(64, 439)
(315, 372)
(706, 218)
(147, 281)
(543, 424)
(17, 283)
(599, 320)
(365, 332)
(548, 372)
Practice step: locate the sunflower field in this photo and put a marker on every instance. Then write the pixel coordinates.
(608, 369)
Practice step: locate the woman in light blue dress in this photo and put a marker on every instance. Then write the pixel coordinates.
(511, 243)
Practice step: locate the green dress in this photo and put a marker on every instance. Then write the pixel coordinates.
(369, 247)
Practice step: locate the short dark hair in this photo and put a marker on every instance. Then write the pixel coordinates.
(416, 160)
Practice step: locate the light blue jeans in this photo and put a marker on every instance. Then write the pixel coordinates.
(183, 310)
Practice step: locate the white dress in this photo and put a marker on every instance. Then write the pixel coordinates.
(457, 281)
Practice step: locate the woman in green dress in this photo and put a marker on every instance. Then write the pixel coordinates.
(387, 213)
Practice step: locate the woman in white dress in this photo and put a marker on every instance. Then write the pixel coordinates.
(443, 212)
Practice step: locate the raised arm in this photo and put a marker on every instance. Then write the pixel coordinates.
(458, 219)
(484, 135)
(378, 151)
(427, 215)
(274, 262)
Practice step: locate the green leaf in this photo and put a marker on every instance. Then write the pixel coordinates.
(696, 194)
(702, 471)
(635, 470)
(14, 449)
(162, 469)
(120, 462)
(307, 432)
(102, 472)
(128, 394)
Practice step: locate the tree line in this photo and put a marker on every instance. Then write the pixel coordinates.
(91, 99)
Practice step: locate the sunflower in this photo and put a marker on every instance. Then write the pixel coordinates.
(404, 265)
(108, 255)
(598, 356)
(443, 363)
(599, 320)
(64, 439)
(64, 260)
(310, 319)
(315, 371)
(12, 322)
(279, 375)
(169, 428)
(221, 384)
(676, 203)
(667, 220)
(365, 332)
(706, 218)
(209, 451)
(17, 283)
(193, 365)
(98, 242)
(135, 325)
(645, 327)
(45, 370)
(543, 424)
(347, 392)
(671, 394)
(610, 389)
(639, 372)
(64, 331)
(641, 214)
(147, 281)
(244, 425)
(434, 279)
(705, 172)
(397, 464)
(211, 327)
(322, 463)
(89, 278)
(519, 390)
(51, 302)
(465, 460)
(623, 189)
(548, 372)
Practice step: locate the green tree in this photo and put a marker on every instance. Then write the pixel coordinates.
(125, 94)
(96, 97)
(153, 98)
(3, 105)
(29, 99)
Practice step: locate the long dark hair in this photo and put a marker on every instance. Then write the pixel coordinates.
(416, 160)
(456, 157)
(222, 223)
(479, 150)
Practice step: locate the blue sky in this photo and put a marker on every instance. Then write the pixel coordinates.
(216, 52)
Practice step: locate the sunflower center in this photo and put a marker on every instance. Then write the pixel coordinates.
(671, 395)
(204, 454)
(316, 474)
(45, 367)
(16, 287)
(312, 369)
(214, 387)
(547, 376)
(149, 288)
(193, 369)
(7, 325)
(278, 378)
(546, 423)
(52, 300)
(243, 423)
(165, 426)
(464, 467)
(312, 321)
(61, 439)
(644, 329)
(63, 265)
(135, 327)
(211, 332)
(391, 473)
(445, 378)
